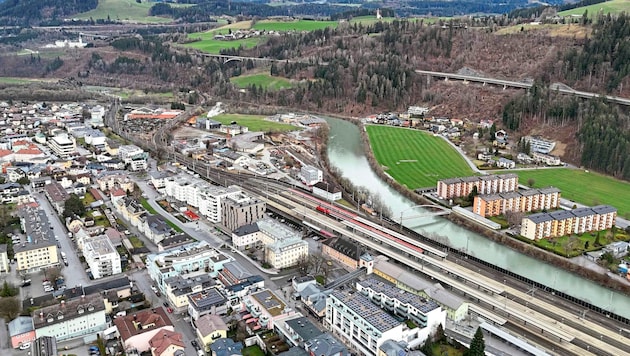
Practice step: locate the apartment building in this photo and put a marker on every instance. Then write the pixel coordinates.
(57, 195)
(109, 180)
(265, 308)
(62, 145)
(561, 223)
(199, 194)
(491, 184)
(101, 256)
(284, 247)
(363, 324)
(207, 301)
(38, 249)
(518, 201)
(80, 317)
(196, 257)
(133, 156)
(240, 209)
(179, 287)
(246, 236)
(137, 329)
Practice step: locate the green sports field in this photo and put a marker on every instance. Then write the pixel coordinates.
(255, 122)
(582, 186)
(415, 158)
(262, 80)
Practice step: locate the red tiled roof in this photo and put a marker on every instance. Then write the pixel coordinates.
(29, 151)
(117, 192)
(97, 196)
(161, 341)
(134, 324)
(20, 143)
(5, 153)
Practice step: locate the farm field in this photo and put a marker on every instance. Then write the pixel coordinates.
(22, 81)
(124, 10)
(415, 158)
(255, 122)
(299, 25)
(609, 7)
(583, 187)
(210, 45)
(262, 80)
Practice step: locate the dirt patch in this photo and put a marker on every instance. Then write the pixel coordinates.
(559, 149)
(187, 133)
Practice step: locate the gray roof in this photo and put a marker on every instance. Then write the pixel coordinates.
(391, 291)
(604, 209)
(562, 215)
(304, 328)
(326, 345)
(393, 348)
(368, 311)
(246, 229)
(549, 190)
(20, 325)
(444, 297)
(238, 271)
(582, 212)
(540, 218)
(226, 347)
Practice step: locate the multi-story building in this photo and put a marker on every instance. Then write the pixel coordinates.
(21, 331)
(325, 345)
(491, 184)
(167, 343)
(109, 180)
(246, 236)
(178, 288)
(526, 201)
(561, 223)
(207, 301)
(101, 256)
(133, 156)
(344, 251)
(546, 159)
(62, 145)
(265, 308)
(80, 317)
(311, 175)
(199, 194)
(38, 250)
(364, 325)
(137, 329)
(456, 308)
(196, 257)
(284, 247)
(539, 144)
(56, 195)
(240, 209)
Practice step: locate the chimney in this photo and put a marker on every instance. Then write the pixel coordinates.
(41, 315)
(63, 304)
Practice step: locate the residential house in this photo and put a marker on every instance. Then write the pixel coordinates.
(246, 236)
(326, 191)
(82, 317)
(167, 343)
(209, 328)
(179, 287)
(21, 331)
(344, 251)
(138, 328)
(226, 347)
(326, 345)
(506, 163)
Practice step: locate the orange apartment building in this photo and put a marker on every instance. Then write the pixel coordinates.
(517, 201)
(490, 184)
(566, 222)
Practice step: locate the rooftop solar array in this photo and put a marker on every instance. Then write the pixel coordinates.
(387, 289)
(367, 310)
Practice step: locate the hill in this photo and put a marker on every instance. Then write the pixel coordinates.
(23, 13)
(613, 7)
(124, 10)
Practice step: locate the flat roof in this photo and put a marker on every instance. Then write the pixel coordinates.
(367, 310)
(269, 301)
(304, 328)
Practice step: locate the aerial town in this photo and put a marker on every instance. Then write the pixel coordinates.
(314, 178)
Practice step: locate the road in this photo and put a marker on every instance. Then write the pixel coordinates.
(74, 273)
(560, 88)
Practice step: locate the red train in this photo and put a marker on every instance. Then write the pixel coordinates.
(323, 210)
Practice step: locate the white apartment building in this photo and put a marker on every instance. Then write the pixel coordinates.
(246, 236)
(101, 256)
(134, 156)
(80, 317)
(199, 194)
(364, 325)
(62, 145)
(284, 247)
(38, 249)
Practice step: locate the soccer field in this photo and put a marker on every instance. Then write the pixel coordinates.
(415, 158)
(582, 186)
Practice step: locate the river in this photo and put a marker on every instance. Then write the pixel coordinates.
(345, 151)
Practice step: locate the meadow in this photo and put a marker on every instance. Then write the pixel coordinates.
(581, 186)
(124, 10)
(299, 25)
(415, 158)
(262, 80)
(208, 44)
(612, 7)
(255, 123)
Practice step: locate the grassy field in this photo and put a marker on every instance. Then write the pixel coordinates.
(299, 25)
(255, 122)
(210, 45)
(415, 158)
(612, 7)
(263, 80)
(583, 187)
(124, 10)
(554, 30)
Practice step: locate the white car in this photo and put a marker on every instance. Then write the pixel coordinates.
(25, 346)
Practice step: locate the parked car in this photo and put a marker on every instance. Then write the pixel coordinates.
(165, 304)
(25, 346)
(169, 309)
(195, 344)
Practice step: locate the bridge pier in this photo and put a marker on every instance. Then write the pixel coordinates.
(465, 81)
(484, 84)
(504, 87)
(446, 79)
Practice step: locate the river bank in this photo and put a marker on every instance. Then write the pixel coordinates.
(507, 241)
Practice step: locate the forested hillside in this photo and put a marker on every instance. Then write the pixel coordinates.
(602, 129)
(28, 12)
